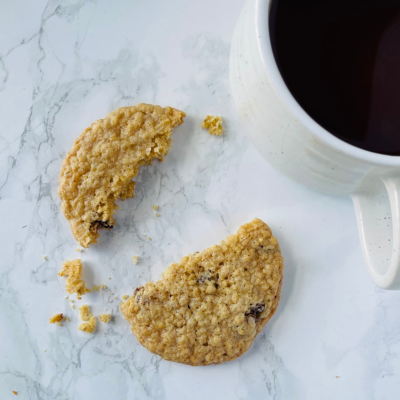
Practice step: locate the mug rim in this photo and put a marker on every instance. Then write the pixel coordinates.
(283, 92)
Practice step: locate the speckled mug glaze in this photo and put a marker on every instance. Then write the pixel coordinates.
(291, 141)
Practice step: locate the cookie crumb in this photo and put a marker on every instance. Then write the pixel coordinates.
(102, 287)
(78, 250)
(213, 124)
(44, 351)
(65, 297)
(85, 313)
(105, 318)
(109, 277)
(96, 288)
(124, 297)
(66, 318)
(88, 327)
(337, 376)
(44, 258)
(149, 238)
(73, 270)
(135, 259)
(56, 318)
(72, 306)
(157, 215)
(155, 207)
(58, 323)
(15, 392)
(71, 300)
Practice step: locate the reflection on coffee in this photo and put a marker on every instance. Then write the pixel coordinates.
(341, 61)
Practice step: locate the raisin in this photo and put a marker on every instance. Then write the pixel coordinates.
(96, 225)
(255, 311)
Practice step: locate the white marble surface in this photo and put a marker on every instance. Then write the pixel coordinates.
(64, 65)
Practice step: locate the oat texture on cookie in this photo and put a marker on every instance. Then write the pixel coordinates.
(209, 307)
(105, 158)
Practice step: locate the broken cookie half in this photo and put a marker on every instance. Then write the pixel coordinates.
(209, 307)
(101, 164)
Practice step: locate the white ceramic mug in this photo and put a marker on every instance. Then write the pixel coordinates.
(289, 139)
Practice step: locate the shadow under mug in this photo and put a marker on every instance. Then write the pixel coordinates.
(292, 142)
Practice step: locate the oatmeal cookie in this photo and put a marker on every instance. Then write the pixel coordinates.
(100, 166)
(209, 307)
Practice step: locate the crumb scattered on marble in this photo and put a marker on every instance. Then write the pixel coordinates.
(149, 238)
(109, 277)
(88, 327)
(15, 392)
(213, 124)
(124, 297)
(135, 259)
(72, 306)
(105, 318)
(157, 215)
(44, 351)
(65, 297)
(96, 288)
(78, 250)
(337, 376)
(56, 318)
(71, 300)
(85, 313)
(155, 207)
(44, 258)
(102, 287)
(58, 323)
(73, 270)
(66, 318)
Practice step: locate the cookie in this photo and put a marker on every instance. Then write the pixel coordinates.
(214, 125)
(101, 164)
(209, 307)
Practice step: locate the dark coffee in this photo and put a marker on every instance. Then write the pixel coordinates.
(340, 60)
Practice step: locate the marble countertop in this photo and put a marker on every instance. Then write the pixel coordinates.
(64, 64)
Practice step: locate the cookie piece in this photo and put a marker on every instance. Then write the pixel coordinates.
(209, 307)
(213, 124)
(85, 315)
(105, 318)
(56, 319)
(72, 269)
(101, 164)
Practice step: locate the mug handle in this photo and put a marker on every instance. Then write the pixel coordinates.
(375, 207)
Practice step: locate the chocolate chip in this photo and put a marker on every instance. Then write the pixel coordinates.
(255, 311)
(202, 279)
(188, 306)
(216, 285)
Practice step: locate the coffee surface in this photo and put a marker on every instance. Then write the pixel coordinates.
(340, 59)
